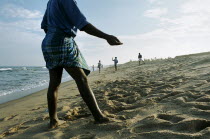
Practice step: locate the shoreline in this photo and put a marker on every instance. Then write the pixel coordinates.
(21, 94)
(35, 93)
(43, 89)
(25, 93)
(34, 96)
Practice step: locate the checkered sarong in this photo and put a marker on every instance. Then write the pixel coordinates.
(61, 51)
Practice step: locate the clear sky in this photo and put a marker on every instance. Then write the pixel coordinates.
(156, 28)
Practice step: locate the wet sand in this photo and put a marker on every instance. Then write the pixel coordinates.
(162, 99)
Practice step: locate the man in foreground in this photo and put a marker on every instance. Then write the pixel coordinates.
(60, 23)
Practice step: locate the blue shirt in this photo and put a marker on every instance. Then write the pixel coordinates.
(115, 61)
(63, 15)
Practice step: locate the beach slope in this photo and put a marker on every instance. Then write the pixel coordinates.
(164, 98)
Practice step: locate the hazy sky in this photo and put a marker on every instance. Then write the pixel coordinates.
(156, 28)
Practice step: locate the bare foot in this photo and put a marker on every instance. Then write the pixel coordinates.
(102, 120)
(56, 123)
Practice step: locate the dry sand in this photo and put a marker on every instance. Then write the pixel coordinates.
(162, 99)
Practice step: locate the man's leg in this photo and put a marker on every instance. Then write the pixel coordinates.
(85, 91)
(55, 80)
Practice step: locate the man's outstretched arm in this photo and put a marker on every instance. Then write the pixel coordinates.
(90, 29)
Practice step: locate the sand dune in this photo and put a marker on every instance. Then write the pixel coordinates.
(162, 99)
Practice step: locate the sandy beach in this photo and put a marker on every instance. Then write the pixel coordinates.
(162, 99)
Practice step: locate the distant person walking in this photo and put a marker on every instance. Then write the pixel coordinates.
(115, 63)
(93, 67)
(61, 21)
(99, 66)
(140, 59)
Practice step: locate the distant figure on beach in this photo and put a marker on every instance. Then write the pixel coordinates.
(140, 59)
(99, 66)
(61, 21)
(93, 67)
(115, 63)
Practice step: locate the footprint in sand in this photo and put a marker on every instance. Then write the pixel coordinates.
(170, 96)
(76, 113)
(199, 112)
(171, 123)
(192, 125)
(85, 136)
(115, 96)
(202, 107)
(171, 118)
(8, 118)
(13, 130)
(36, 108)
(205, 98)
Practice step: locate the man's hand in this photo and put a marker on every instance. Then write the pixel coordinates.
(112, 40)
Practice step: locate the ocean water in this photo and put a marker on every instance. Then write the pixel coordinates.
(17, 82)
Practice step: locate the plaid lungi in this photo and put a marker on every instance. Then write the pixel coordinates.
(61, 51)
